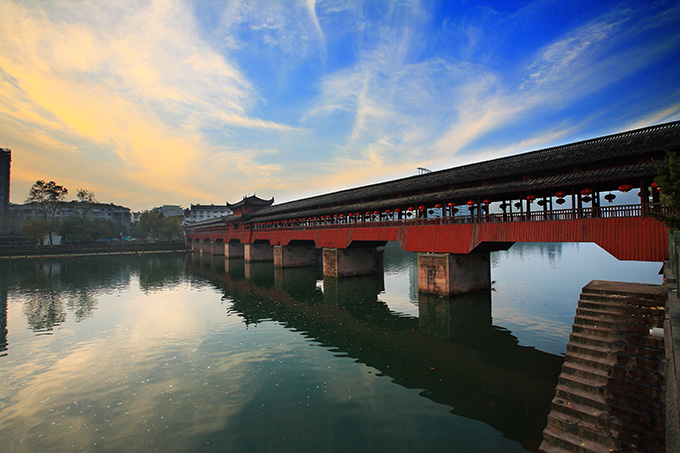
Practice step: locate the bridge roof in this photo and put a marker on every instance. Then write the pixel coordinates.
(602, 164)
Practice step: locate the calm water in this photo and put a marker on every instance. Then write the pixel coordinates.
(191, 353)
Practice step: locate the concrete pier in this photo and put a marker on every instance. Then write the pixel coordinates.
(295, 255)
(258, 252)
(352, 261)
(449, 274)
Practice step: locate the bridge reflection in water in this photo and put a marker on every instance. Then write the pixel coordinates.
(451, 350)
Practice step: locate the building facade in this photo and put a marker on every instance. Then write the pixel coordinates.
(200, 212)
(21, 212)
(5, 160)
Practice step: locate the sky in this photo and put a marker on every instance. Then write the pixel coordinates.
(178, 102)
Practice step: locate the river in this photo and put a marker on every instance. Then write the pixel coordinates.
(193, 353)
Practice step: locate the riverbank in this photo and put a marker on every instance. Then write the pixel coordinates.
(104, 249)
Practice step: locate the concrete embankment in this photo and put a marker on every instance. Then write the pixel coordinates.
(68, 251)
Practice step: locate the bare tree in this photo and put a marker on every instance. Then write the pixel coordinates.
(86, 201)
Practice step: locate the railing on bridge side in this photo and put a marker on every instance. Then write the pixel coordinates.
(597, 212)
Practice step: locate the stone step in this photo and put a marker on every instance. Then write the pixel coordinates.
(652, 428)
(643, 290)
(584, 430)
(618, 365)
(620, 301)
(561, 439)
(613, 315)
(635, 393)
(587, 301)
(630, 326)
(630, 408)
(655, 351)
(611, 336)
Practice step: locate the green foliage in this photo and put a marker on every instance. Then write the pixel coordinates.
(77, 231)
(668, 179)
(35, 230)
(154, 225)
(47, 196)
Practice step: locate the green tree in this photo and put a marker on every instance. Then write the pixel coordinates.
(35, 230)
(668, 179)
(47, 196)
(171, 227)
(75, 230)
(151, 223)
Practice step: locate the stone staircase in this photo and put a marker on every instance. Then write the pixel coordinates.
(609, 396)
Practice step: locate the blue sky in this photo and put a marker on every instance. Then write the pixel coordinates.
(178, 102)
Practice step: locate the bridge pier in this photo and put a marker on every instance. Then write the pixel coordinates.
(258, 252)
(233, 250)
(295, 255)
(218, 248)
(352, 261)
(206, 247)
(457, 317)
(450, 274)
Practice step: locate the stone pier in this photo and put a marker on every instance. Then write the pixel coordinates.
(295, 255)
(352, 261)
(218, 248)
(233, 250)
(450, 274)
(258, 252)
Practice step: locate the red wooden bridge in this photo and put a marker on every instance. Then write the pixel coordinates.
(569, 193)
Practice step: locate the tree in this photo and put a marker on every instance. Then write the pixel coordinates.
(35, 230)
(47, 196)
(151, 222)
(668, 180)
(86, 200)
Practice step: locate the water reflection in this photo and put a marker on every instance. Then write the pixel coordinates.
(3, 314)
(51, 288)
(451, 352)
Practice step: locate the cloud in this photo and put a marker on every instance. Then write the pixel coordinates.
(135, 79)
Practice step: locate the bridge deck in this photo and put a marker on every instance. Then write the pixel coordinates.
(620, 230)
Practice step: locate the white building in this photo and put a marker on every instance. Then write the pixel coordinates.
(205, 211)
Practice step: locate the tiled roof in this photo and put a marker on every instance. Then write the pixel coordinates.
(608, 159)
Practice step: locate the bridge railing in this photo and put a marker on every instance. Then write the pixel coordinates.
(532, 216)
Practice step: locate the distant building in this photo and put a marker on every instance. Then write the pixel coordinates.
(20, 212)
(170, 210)
(5, 159)
(199, 212)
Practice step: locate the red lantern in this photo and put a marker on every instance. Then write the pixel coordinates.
(587, 191)
(471, 203)
(376, 212)
(531, 198)
(625, 187)
(560, 194)
(410, 208)
(387, 211)
(486, 201)
(438, 206)
(397, 210)
(451, 205)
(421, 208)
(368, 212)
